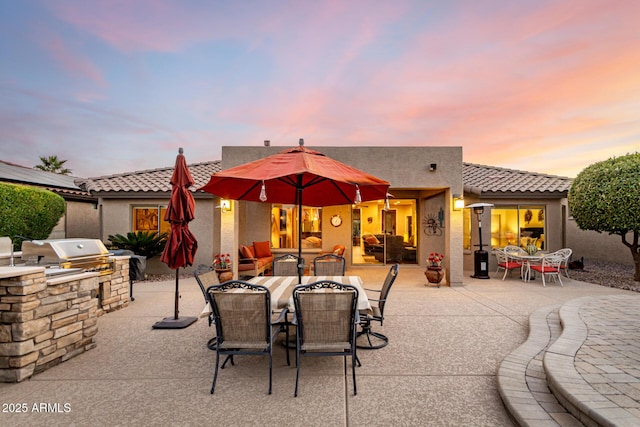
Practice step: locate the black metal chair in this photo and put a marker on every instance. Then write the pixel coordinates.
(326, 318)
(287, 265)
(206, 276)
(329, 265)
(244, 326)
(377, 305)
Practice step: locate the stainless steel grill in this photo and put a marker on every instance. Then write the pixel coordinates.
(69, 254)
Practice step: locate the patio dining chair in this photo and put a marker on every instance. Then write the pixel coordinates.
(566, 258)
(375, 340)
(244, 325)
(549, 267)
(287, 265)
(206, 276)
(326, 318)
(329, 265)
(506, 263)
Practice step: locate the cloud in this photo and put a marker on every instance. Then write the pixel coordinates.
(74, 63)
(505, 80)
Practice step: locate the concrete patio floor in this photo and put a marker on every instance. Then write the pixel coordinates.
(439, 369)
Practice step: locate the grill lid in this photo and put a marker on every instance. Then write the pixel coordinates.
(57, 250)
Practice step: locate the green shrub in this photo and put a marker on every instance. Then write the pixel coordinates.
(605, 197)
(28, 211)
(146, 243)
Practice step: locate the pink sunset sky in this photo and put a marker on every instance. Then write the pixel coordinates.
(117, 86)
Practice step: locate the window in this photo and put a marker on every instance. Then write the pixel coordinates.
(518, 225)
(284, 226)
(150, 218)
(466, 229)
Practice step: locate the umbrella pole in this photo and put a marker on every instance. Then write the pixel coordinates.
(175, 315)
(175, 322)
(300, 264)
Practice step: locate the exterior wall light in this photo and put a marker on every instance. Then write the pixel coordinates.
(225, 205)
(458, 202)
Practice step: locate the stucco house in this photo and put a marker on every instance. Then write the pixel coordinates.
(421, 217)
(424, 183)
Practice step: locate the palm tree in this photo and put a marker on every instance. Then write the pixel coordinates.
(53, 164)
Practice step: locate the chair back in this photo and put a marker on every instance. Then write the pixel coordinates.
(501, 256)
(514, 249)
(329, 265)
(386, 287)
(326, 316)
(206, 276)
(241, 313)
(565, 253)
(552, 262)
(287, 265)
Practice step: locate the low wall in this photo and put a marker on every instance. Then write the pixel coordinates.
(44, 322)
(47, 320)
(597, 246)
(113, 289)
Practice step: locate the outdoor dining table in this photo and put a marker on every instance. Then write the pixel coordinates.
(281, 288)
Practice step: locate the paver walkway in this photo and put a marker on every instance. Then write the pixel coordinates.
(585, 373)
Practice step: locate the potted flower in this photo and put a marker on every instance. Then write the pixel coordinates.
(435, 272)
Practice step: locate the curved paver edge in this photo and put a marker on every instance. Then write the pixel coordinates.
(521, 405)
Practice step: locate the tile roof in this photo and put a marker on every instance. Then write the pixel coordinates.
(487, 181)
(492, 181)
(149, 181)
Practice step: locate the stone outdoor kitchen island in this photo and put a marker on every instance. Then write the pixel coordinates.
(47, 320)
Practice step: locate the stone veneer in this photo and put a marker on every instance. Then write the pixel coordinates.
(45, 321)
(113, 290)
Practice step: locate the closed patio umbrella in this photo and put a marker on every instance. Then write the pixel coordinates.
(297, 176)
(181, 245)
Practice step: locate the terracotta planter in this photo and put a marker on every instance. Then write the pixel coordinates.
(224, 274)
(434, 274)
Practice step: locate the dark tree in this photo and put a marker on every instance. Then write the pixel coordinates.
(53, 164)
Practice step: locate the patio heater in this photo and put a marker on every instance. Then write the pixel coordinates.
(480, 257)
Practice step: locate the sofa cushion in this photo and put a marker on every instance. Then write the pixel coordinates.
(247, 252)
(263, 249)
(264, 261)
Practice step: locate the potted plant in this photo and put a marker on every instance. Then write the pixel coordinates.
(435, 272)
(531, 247)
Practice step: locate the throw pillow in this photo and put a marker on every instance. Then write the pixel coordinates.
(372, 240)
(263, 249)
(247, 252)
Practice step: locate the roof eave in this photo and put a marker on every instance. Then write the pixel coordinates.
(475, 191)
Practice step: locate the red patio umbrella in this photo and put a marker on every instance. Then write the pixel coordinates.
(181, 245)
(297, 176)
